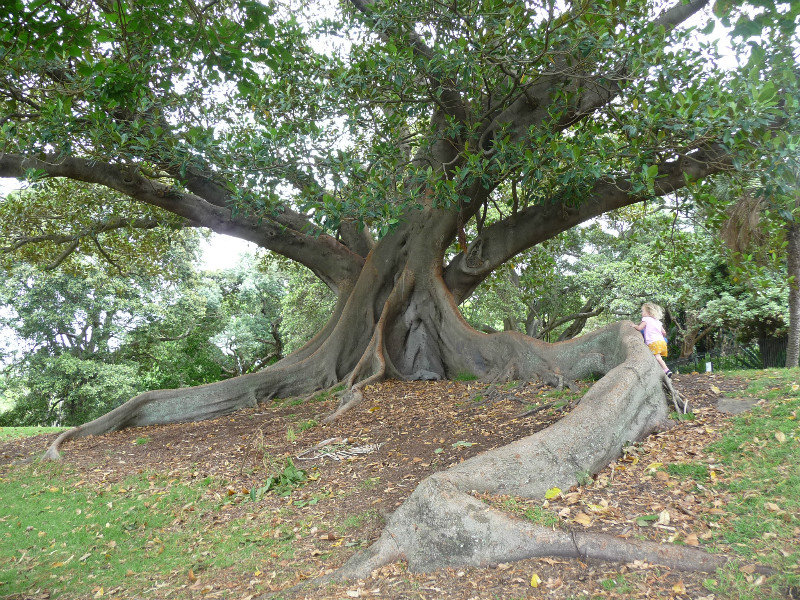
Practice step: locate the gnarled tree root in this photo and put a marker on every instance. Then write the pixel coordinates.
(160, 407)
(185, 405)
(442, 524)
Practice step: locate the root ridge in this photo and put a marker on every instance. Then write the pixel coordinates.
(442, 524)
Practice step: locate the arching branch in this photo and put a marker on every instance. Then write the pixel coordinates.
(445, 91)
(534, 224)
(329, 259)
(589, 89)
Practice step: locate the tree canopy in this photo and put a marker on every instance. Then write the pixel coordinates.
(278, 123)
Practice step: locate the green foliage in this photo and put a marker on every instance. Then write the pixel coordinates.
(117, 233)
(282, 483)
(85, 344)
(465, 377)
(305, 307)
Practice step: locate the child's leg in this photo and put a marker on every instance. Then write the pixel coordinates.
(662, 363)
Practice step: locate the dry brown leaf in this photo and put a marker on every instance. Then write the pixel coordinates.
(691, 540)
(749, 569)
(583, 519)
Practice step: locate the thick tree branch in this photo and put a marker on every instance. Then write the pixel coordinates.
(504, 239)
(590, 90)
(210, 190)
(444, 91)
(330, 260)
(573, 317)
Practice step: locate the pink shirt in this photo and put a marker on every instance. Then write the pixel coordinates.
(652, 330)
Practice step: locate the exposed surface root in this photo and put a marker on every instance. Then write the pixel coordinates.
(442, 525)
(184, 405)
(453, 529)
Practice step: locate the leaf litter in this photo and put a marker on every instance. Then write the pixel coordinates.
(421, 427)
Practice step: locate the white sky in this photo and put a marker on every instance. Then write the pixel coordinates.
(224, 252)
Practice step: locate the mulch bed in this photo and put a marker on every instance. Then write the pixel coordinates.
(412, 429)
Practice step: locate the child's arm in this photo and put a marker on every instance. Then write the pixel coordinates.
(663, 332)
(639, 327)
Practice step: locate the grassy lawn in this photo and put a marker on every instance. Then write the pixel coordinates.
(153, 534)
(7, 433)
(58, 533)
(760, 455)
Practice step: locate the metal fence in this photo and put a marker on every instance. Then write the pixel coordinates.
(761, 356)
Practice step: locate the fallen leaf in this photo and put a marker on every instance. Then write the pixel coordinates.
(192, 577)
(715, 389)
(553, 492)
(691, 540)
(583, 519)
(749, 569)
(772, 506)
(462, 444)
(646, 520)
(780, 436)
(663, 517)
(535, 580)
(679, 588)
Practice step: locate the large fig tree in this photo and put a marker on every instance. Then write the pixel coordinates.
(401, 151)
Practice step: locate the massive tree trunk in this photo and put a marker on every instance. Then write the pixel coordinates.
(397, 319)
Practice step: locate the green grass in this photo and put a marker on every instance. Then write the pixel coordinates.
(535, 514)
(67, 536)
(358, 520)
(761, 454)
(7, 433)
(617, 584)
(308, 424)
(465, 376)
(696, 471)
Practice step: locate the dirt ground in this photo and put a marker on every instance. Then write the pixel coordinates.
(406, 431)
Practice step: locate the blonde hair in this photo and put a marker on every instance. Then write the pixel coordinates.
(653, 310)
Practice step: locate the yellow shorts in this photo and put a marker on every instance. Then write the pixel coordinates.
(658, 347)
